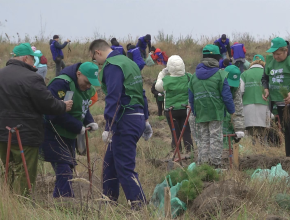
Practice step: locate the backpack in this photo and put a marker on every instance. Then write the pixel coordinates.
(165, 57)
(42, 60)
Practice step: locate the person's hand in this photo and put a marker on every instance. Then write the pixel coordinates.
(266, 94)
(83, 130)
(68, 40)
(159, 94)
(105, 137)
(240, 134)
(94, 126)
(69, 105)
(287, 100)
(147, 134)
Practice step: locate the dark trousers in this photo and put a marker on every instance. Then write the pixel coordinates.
(285, 128)
(119, 161)
(63, 187)
(240, 64)
(160, 105)
(143, 53)
(59, 65)
(179, 117)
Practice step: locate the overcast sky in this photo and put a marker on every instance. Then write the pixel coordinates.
(78, 19)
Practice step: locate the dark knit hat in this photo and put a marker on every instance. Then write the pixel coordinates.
(147, 37)
(224, 37)
(55, 37)
(152, 48)
(113, 40)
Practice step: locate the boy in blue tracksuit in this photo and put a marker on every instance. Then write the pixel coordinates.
(117, 46)
(134, 54)
(143, 42)
(224, 46)
(122, 83)
(61, 131)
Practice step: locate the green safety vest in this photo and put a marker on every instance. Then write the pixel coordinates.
(253, 86)
(208, 102)
(81, 102)
(279, 75)
(133, 82)
(176, 91)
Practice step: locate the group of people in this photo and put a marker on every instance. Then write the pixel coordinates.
(51, 124)
(223, 100)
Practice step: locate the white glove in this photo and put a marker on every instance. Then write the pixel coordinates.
(272, 116)
(94, 126)
(147, 132)
(105, 136)
(150, 53)
(83, 130)
(159, 94)
(240, 134)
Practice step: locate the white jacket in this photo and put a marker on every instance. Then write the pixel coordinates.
(175, 68)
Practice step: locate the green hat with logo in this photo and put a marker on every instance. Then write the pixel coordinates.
(211, 49)
(234, 75)
(276, 43)
(24, 49)
(90, 70)
(258, 57)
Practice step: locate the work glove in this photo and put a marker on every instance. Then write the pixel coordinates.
(105, 136)
(83, 130)
(148, 132)
(159, 94)
(240, 134)
(272, 116)
(94, 126)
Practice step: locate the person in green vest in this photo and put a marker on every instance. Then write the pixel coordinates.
(61, 131)
(209, 97)
(159, 96)
(126, 115)
(173, 81)
(235, 124)
(277, 76)
(256, 110)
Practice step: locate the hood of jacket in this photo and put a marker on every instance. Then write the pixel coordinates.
(50, 41)
(37, 51)
(20, 63)
(71, 72)
(207, 68)
(175, 66)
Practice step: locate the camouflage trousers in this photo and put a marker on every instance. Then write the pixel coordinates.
(191, 122)
(209, 137)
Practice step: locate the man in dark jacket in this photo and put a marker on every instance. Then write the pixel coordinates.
(24, 99)
(224, 45)
(57, 54)
(159, 99)
(142, 44)
(58, 147)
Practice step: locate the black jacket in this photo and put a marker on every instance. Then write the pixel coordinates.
(24, 99)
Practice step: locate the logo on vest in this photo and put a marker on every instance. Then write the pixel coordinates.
(85, 107)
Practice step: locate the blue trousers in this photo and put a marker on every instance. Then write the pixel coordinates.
(63, 173)
(119, 162)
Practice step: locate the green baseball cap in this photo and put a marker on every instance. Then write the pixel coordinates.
(234, 75)
(276, 43)
(258, 57)
(90, 70)
(211, 49)
(24, 49)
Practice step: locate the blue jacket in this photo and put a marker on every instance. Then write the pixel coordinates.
(136, 57)
(142, 44)
(113, 78)
(37, 63)
(56, 49)
(62, 150)
(119, 48)
(223, 45)
(204, 72)
(221, 64)
(238, 51)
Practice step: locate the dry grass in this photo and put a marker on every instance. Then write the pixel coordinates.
(257, 205)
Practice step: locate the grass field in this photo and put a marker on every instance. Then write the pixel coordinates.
(257, 201)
